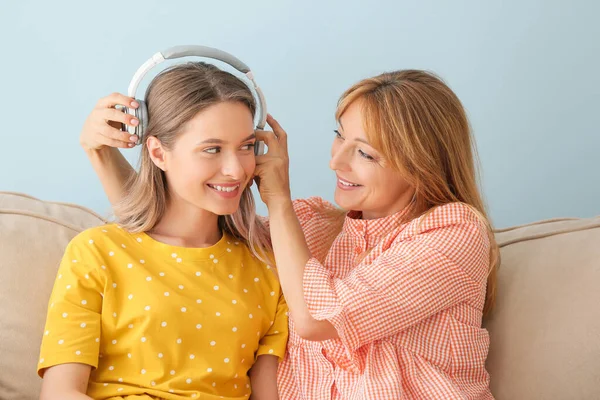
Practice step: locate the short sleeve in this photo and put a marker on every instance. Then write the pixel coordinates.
(73, 322)
(308, 209)
(315, 208)
(274, 342)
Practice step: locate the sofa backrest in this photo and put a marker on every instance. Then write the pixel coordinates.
(545, 329)
(33, 236)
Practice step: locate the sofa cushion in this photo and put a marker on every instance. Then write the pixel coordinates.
(33, 236)
(545, 329)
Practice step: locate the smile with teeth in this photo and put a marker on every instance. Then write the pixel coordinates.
(224, 188)
(347, 183)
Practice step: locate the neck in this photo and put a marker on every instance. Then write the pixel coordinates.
(186, 225)
(406, 200)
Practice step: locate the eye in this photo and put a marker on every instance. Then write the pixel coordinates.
(365, 155)
(213, 150)
(248, 146)
(338, 135)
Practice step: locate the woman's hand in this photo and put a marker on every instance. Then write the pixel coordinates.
(103, 126)
(272, 169)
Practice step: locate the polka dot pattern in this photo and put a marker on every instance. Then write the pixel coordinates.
(134, 294)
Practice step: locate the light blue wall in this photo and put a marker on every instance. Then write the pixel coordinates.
(527, 71)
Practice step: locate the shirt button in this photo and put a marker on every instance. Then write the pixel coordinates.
(357, 250)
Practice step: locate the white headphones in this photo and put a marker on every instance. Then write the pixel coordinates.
(141, 113)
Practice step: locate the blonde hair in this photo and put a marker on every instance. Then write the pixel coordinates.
(420, 126)
(173, 98)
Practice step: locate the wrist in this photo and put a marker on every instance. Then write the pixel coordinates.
(280, 205)
(102, 154)
(93, 152)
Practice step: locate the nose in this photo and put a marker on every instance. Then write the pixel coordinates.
(340, 158)
(233, 167)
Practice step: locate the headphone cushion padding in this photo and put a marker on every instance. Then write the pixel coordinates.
(142, 116)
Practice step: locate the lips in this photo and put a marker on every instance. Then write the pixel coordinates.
(347, 183)
(226, 188)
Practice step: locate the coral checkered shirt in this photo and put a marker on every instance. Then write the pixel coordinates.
(408, 315)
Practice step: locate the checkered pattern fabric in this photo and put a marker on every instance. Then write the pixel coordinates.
(408, 313)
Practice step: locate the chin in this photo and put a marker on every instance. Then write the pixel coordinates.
(223, 210)
(216, 207)
(345, 203)
(227, 207)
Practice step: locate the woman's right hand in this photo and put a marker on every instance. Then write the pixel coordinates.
(102, 128)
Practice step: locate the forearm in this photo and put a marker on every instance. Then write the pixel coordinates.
(112, 169)
(263, 378)
(66, 382)
(291, 255)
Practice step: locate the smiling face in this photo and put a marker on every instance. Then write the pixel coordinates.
(212, 160)
(365, 180)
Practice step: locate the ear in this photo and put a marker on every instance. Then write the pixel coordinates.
(156, 152)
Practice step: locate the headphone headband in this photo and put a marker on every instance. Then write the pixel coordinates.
(206, 52)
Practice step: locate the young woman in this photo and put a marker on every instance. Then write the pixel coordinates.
(178, 300)
(386, 299)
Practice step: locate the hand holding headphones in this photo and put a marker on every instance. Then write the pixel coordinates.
(102, 128)
(272, 169)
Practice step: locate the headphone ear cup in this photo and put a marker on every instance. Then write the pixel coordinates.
(141, 114)
(259, 148)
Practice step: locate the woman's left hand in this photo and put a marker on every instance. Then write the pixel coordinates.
(272, 169)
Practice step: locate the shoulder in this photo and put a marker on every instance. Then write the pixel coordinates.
(95, 243)
(452, 229)
(450, 215)
(260, 272)
(254, 260)
(99, 232)
(311, 208)
(313, 205)
(317, 210)
(87, 237)
(104, 235)
(254, 263)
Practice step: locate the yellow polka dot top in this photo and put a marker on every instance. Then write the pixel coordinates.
(161, 321)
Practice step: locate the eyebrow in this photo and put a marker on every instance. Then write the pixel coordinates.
(221, 141)
(356, 139)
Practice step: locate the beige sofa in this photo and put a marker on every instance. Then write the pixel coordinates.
(545, 331)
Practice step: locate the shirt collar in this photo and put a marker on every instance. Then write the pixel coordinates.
(354, 225)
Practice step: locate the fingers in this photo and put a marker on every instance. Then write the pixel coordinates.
(115, 99)
(115, 143)
(270, 140)
(103, 126)
(279, 131)
(111, 114)
(275, 125)
(116, 138)
(111, 124)
(260, 160)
